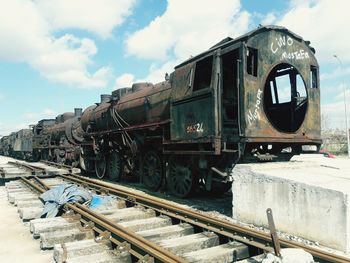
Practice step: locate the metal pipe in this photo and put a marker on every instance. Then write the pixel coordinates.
(346, 115)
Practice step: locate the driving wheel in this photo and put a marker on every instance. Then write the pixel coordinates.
(152, 172)
(100, 166)
(180, 178)
(115, 167)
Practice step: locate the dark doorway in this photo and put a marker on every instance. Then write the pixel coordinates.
(229, 65)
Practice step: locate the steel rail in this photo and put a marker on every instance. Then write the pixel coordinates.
(45, 186)
(140, 246)
(58, 165)
(243, 234)
(31, 168)
(137, 242)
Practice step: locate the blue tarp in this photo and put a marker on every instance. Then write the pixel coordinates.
(99, 201)
(56, 197)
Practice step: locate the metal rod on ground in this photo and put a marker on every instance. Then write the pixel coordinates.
(346, 116)
(275, 240)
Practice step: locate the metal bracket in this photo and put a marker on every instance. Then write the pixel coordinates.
(103, 237)
(273, 233)
(65, 253)
(88, 226)
(104, 192)
(123, 247)
(146, 259)
(131, 199)
(71, 216)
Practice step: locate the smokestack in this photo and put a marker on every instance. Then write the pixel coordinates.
(105, 98)
(78, 112)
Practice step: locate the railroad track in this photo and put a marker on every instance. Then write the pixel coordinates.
(34, 170)
(231, 240)
(59, 165)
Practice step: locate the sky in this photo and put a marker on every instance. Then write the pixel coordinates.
(56, 55)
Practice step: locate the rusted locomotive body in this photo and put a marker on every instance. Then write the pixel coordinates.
(255, 97)
(59, 140)
(41, 140)
(17, 144)
(22, 144)
(5, 145)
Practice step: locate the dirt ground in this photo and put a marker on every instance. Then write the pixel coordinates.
(16, 243)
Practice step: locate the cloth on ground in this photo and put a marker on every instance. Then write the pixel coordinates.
(99, 202)
(56, 197)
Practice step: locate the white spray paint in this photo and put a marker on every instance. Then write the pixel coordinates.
(277, 47)
(255, 114)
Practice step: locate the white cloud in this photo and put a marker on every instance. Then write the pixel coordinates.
(124, 80)
(35, 116)
(269, 19)
(328, 90)
(336, 73)
(183, 30)
(157, 72)
(6, 129)
(27, 35)
(26, 119)
(335, 114)
(322, 22)
(187, 28)
(97, 16)
(335, 110)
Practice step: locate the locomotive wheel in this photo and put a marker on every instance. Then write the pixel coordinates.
(152, 172)
(180, 178)
(114, 166)
(100, 166)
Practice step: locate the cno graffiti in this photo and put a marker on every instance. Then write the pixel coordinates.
(285, 41)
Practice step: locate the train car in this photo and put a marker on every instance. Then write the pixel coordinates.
(21, 147)
(253, 98)
(41, 140)
(4, 146)
(59, 139)
(11, 142)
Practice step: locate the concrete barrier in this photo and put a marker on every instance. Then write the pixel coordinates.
(309, 198)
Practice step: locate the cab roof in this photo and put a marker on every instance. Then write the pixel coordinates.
(230, 41)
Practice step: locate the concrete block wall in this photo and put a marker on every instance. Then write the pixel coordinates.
(299, 207)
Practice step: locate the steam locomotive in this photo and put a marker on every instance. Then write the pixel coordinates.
(17, 144)
(253, 98)
(56, 140)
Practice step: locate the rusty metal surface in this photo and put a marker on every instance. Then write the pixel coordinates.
(273, 233)
(274, 47)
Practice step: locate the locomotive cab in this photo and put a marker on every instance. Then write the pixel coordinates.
(255, 98)
(256, 91)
